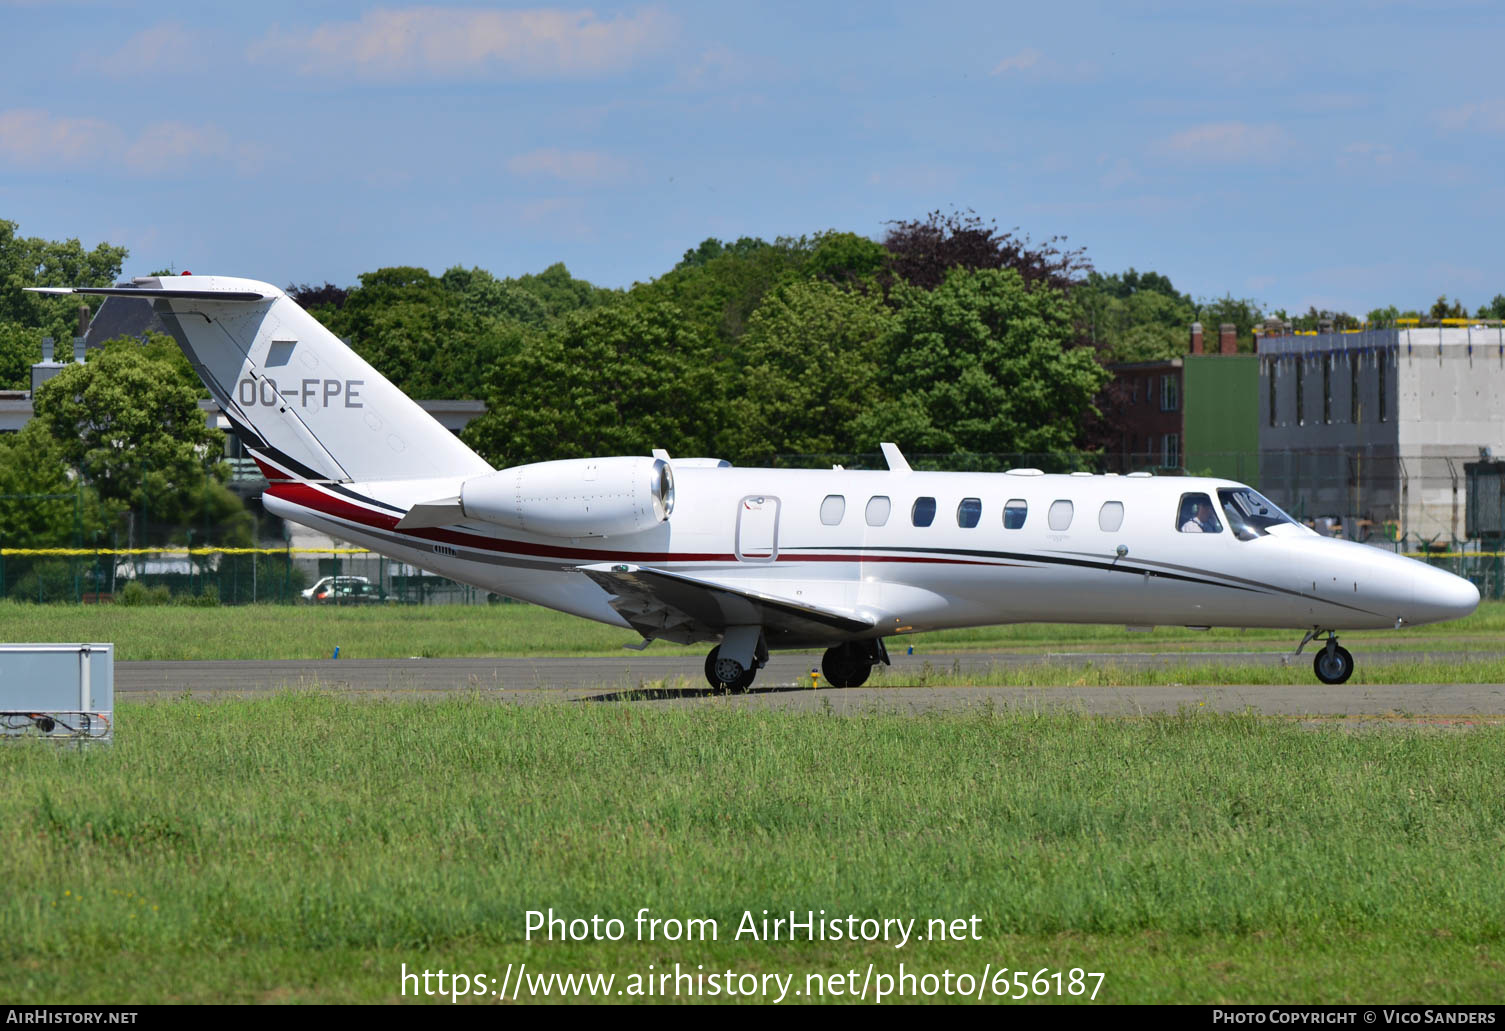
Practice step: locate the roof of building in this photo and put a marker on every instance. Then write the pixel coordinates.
(122, 317)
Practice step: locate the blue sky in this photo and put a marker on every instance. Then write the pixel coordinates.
(1339, 154)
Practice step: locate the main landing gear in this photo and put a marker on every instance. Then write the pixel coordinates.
(1333, 664)
(727, 674)
(850, 664)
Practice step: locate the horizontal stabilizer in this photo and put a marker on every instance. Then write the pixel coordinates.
(150, 293)
(676, 607)
(443, 512)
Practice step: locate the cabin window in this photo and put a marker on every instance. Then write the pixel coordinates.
(832, 509)
(1059, 517)
(923, 512)
(1014, 513)
(969, 513)
(1111, 516)
(877, 510)
(1196, 515)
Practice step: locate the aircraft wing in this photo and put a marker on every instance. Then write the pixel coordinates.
(685, 609)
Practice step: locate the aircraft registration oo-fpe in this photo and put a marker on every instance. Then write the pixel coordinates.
(692, 549)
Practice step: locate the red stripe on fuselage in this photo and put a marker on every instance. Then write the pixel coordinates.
(312, 498)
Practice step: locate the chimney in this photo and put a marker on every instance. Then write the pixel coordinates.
(83, 321)
(78, 349)
(1196, 338)
(1227, 339)
(1324, 325)
(47, 349)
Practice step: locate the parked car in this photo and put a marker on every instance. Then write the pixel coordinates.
(343, 590)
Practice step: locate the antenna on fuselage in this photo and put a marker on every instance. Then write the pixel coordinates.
(895, 459)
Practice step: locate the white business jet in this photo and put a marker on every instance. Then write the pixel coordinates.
(756, 559)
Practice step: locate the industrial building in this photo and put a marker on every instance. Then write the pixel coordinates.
(1386, 431)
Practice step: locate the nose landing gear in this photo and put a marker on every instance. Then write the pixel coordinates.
(1334, 663)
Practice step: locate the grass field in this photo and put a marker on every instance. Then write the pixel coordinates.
(311, 632)
(303, 847)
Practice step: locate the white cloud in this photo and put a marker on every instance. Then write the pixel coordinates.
(1488, 116)
(1022, 61)
(33, 138)
(1228, 142)
(450, 42)
(167, 46)
(576, 166)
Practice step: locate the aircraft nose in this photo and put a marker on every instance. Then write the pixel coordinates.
(1439, 595)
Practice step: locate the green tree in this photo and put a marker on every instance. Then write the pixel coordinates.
(1243, 312)
(20, 349)
(32, 465)
(1495, 309)
(129, 425)
(984, 363)
(32, 261)
(611, 381)
(809, 364)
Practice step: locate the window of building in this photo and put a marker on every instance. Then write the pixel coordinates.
(1327, 389)
(1274, 372)
(923, 512)
(1111, 516)
(832, 509)
(877, 510)
(1170, 394)
(1355, 409)
(1014, 513)
(1170, 456)
(1196, 515)
(1059, 516)
(1382, 365)
(969, 513)
(1300, 398)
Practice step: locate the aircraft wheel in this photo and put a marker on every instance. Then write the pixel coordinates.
(843, 669)
(1333, 667)
(727, 674)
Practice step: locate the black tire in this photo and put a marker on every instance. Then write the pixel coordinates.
(722, 676)
(843, 669)
(1335, 667)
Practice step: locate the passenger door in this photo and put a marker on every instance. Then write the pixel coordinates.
(757, 528)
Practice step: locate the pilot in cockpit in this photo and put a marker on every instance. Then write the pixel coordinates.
(1197, 517)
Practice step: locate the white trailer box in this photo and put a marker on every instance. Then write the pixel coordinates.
(64, 691)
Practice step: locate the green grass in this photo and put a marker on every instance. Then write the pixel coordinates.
(445, 631)
(302, 847)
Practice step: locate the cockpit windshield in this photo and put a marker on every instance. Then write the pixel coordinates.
(1250, 514)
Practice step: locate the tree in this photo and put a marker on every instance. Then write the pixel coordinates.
(32, 261)
(37, 503)
(1495, 309)
(1135, 316)
(1242, 312)
(20, 349)
(809, 362)
(983, 363)
(311, 297)
(922, 253)
(721, 289)
(1441, 309)
(617, 380)
(128, 423)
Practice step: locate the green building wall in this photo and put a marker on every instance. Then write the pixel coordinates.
(1221, 398)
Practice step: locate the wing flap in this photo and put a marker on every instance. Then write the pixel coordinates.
(681, 608)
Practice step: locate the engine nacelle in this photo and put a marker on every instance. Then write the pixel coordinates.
(576, 497)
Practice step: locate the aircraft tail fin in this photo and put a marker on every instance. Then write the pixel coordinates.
(306, 405)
